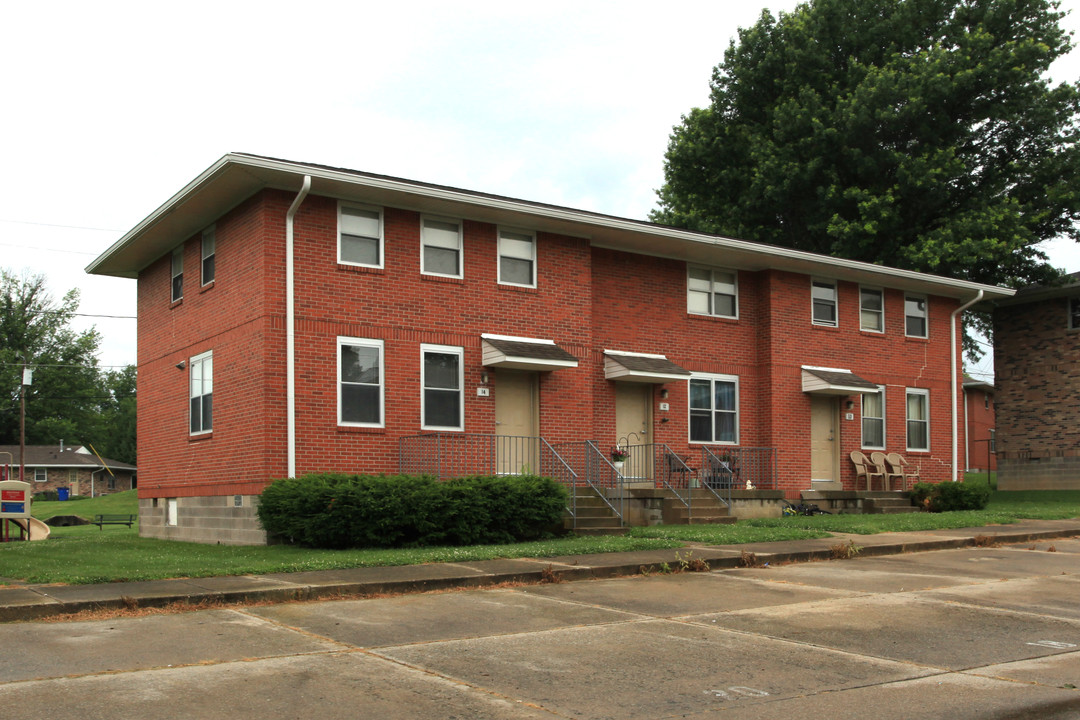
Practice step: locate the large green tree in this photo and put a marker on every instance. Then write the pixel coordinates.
(117, 437)
(921, 134)
(64, 400)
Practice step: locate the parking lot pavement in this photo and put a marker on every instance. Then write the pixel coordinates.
(988, 633)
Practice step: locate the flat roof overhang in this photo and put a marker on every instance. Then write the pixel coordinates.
(238, 176)
(834, 381)
(642, 368)
(517, 353)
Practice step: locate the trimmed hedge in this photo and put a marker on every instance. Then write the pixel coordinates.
(350, 511)
(948, 496)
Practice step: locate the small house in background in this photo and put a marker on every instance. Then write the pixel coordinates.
(979, 421)
(1037, 375)
(72, 467)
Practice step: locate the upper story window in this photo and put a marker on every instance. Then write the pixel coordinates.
(712, 292)
(201, 369)
(360, 236)
(1074, 313)
(873, 419)
(714, 409)
(209, 250)
(442, 379)
(871, 310)
(986, 401)
(440, 252)
(178, 273)
(517, 257)
(360, 382)
(915, 316)
(993, 440)
(823, 297)
(918, 419)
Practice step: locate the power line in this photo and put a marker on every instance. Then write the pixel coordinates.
(56, 225)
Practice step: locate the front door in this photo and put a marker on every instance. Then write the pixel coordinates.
(633, 421)
(824, 439)
(517, 423)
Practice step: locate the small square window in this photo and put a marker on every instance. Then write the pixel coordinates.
(871, 310)
(440, 247)
(915, 324)
(360, 236)
(517, 258)
(823, 294)
(712, 291)
(41, 475)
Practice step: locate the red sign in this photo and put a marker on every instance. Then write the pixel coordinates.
(18, 495)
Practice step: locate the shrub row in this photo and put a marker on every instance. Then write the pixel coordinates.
(349, 511)
(947, 496)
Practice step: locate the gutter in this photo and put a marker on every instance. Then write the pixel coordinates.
(952, 362)
(290, 326)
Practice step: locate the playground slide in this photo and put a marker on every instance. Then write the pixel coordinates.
(38, 530)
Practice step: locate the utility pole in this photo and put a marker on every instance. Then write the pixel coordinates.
(27, 379)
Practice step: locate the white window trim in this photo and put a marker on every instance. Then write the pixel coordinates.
(712, 270)
(44, 472)
(171, 512)
(448, 350)
(884, 427)
(176, 253)
(498, 250)
(1069, 313)
(881, 312)
(210, 232)
(907, 418)
(364, 342)
(191, 364)
(836, 302)
(925, 316)
(738, 409)
(461, 245)
(382, 234)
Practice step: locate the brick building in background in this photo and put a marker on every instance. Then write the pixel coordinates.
(412, 323)
(75, 468)
(1037, 374)
(979, 419)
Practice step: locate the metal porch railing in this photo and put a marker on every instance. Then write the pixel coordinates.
(725, 468)
(596, 471)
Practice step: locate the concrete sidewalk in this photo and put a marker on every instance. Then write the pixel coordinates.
(29, 602)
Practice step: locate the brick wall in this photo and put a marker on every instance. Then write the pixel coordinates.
(587, 299)
(979, 406)
(1037, 376)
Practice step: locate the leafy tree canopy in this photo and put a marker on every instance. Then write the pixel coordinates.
(920, 134)
(70, 398)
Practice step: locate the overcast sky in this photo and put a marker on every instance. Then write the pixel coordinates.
(113, 107)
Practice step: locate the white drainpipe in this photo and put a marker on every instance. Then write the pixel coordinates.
(952, 363)
(290, 326)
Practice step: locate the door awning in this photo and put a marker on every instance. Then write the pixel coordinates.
(518, 353)
(641, 367)
(834, 381)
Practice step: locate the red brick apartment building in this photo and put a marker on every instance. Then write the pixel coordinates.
(296, 318)
(1037, 373)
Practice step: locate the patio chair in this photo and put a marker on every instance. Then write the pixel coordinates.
(677, 468)
(721, 475)
(902, 468)
(864, 468)
(877, 459)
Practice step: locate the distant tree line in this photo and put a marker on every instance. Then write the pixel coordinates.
(71, 398)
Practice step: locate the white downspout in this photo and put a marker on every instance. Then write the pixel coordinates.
(290, 327)
(952, 363)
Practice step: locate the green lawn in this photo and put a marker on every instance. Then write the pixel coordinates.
(86, 554)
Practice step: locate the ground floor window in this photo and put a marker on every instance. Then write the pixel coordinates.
(918, 419)
(873, 419)
(41, 475)
(360, 382)
(442, 381)
(714, 409)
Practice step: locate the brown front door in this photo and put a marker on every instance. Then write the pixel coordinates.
(824, 439)
(517, 423)
(633, 424)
